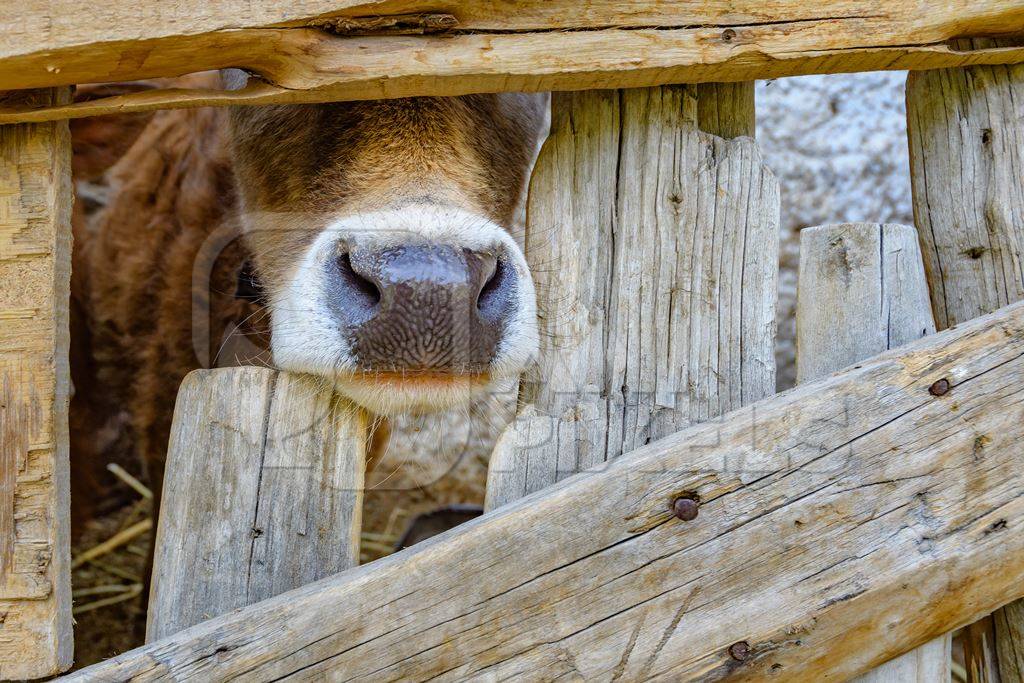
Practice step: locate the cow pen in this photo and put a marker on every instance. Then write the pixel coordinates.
(656, 510)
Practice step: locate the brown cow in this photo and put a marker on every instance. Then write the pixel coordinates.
(369, 243)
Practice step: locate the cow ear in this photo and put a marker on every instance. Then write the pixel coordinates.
(98, 142)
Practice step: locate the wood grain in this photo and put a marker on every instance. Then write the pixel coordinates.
(496, 45)
(263, 493)
(966, 129)
(655, 267)
(980, 657)
(35, 267)
(829, 513)
(726, 109)
(862, 290)
(1008, 626)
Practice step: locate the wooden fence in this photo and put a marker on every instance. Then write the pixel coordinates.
(838, 525)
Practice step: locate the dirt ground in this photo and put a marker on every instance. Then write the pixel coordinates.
(109, 613)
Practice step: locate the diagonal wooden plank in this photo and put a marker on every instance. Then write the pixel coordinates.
(498, 45)
(828, 512)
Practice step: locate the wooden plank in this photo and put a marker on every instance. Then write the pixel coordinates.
(863, 291)
(980, 657)
(966, 129)
(35, 269)
(726, 109)
(263, 493)
(1008, 626)
(829, 513)
(929, 663)
(49, 25)
(497, 45)
(656, 272)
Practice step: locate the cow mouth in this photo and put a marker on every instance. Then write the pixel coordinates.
(387, 393)
(421, 379)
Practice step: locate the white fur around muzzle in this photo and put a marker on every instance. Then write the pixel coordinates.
(306, 336)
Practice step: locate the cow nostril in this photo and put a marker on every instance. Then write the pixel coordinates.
(493, 300)
(358, 287)
(436, 307)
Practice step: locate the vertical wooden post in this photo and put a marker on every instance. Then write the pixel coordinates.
(862, 290)
(725, 109)
(980, 656)
(654, 248)
(966, 130)
(1008, 624)
(35, 268)
(262, 493)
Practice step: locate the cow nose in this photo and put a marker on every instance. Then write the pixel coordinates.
(423, 307)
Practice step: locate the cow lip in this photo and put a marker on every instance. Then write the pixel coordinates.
(389, 393)
(413, 378)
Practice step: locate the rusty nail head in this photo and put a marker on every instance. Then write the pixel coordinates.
(939, 388)
(728, 34)
(685, 508)
(739, 651)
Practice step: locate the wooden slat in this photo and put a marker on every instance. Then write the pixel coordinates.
(656, 270)
(35, 268)
(837, 528)
(495, 45)
(980, 658)
(966, 129)
(863, 291)
(1008, 625)
(263, 493)
(726, 109)
(46, 25)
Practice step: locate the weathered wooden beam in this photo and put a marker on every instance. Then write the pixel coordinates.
(655, 268)
(592, 297)
(829, 515)
(349, 50)
(966, 130)
(863, 291)
(263, 493)
(35, 270)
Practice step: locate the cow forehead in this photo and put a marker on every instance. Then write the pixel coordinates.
(477, 145)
